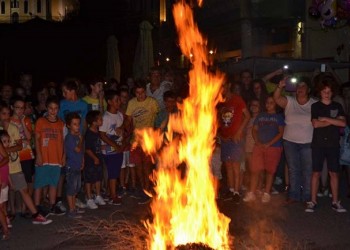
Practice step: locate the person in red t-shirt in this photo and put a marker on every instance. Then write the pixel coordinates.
(233, 117)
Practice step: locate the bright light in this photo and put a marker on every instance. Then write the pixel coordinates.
(167, 59)
(191, 55)
(211, 52)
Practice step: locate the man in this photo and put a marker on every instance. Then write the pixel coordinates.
(155, 88)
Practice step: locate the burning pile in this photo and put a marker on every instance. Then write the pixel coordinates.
(184, 209)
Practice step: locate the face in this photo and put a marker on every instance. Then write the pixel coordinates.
(26, 81)
(246, 78)
(5, 139)
(140, 94)
(155, 77)
(5, 114)
(254, 107)
(29, 109)
(270, 105)
(114, 102)
(6, 92)
(74, 126)
(97, 87)
(257, 89)
(302, 90)
(170, 104)
(18, 108)
(226, 89)
(124, 97)
(42, 95)
(326, 94)
(20, 92)
(99, 121)
(52, 110)
(67, 94)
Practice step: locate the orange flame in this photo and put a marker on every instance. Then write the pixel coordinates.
(184, 209)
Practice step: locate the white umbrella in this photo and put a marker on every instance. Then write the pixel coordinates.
(113, 62)
(144, 51)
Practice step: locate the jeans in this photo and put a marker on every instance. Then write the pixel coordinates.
(298, 156)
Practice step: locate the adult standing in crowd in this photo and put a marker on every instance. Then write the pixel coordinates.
(155, 88)
(297, 138)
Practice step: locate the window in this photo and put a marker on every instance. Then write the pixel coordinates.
(14, 4)
(25, 7)
(38, 6)
(2, 7)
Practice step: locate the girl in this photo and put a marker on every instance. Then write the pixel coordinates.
(4, 181)
(267, 133)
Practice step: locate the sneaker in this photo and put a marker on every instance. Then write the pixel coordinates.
(278, 181)
(115, 201)
(8, 221)
(250, 196)
(91, 204)
(134, 193)
(74, 215)
(236, 198)
(56, 210)
(274, 191)
(310, 207)
(319, 194)
(41, 220)
(336, 206)
(144, 200)
(227, 196)
(121, 192)
(62, 207)
(265, 198)
(286, 189)
(100, 201)
(79, 211)
(79, 203)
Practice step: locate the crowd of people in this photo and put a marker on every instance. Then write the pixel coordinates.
(71, 147)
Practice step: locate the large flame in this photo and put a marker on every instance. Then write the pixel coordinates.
(184, 209)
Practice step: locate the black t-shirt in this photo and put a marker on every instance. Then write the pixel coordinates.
(92, 142)
(326, 136)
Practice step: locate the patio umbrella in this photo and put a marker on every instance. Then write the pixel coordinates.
(144, 51)
(113, 62)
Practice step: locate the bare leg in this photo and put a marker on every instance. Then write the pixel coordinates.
(28, 200)
(334, 185)
(315, 181)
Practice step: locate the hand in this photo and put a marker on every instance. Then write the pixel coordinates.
(282, 83)
(118, 131)
(322, 119)
(97, 161)
(278, 72)
(38, 161)
(238, 136)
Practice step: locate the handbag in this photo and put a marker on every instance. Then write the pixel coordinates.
(345, 148)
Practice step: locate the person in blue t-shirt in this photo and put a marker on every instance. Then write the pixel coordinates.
(73, 145)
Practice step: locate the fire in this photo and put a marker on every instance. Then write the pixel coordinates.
(184, 209)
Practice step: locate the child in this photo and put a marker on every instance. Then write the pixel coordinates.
(25, 128)
(73, 145)
(112, 142)
(49, 154)
(93, 159)
(4, 181)
(267, 133)
(16, 175)
(326, 116)
(95, 99)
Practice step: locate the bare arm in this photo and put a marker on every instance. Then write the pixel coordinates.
(277, 94)
(106, 139)
(17, 147)
(246, 116)
(38, 158)
(5, 156)
(269, 76)
(92, 156)
(322, 122)
(79, 147)
(276, 138)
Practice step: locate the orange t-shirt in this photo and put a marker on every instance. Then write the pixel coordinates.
(230, 116)
(51, 141)
(26, 153)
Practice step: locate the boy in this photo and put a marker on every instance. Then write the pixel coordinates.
(95, 99)
(93, 159)
(16, 175)
(50, 155)
(73, 145)
(326, 116)
(112, 142)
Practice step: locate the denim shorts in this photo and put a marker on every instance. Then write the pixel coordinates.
(231, 151)
(73, 178)
(329, 154)
(46, 175)
(113, 163)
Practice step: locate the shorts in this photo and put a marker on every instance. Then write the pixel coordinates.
(93, 173)
(46, 175)
(73, 179)
(216, 163)
(331, 155)
(113, 163)
(18, 181)
(126, 160)
(266, 159)
(28, 170)
(231, 151)
(4, 194)
(139, 158)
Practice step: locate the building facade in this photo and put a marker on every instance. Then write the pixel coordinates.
(19, 11)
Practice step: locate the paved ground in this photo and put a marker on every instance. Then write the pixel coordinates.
(254, 226)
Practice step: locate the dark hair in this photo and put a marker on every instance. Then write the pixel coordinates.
(140, 84)
(93, 82)
(70, 116)
(52, 99)
(169, 94)
(70, 84)
(321, 81)
(16, 99)
(92, 116)
(110, 94)
(3, 133)
(246, 71)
